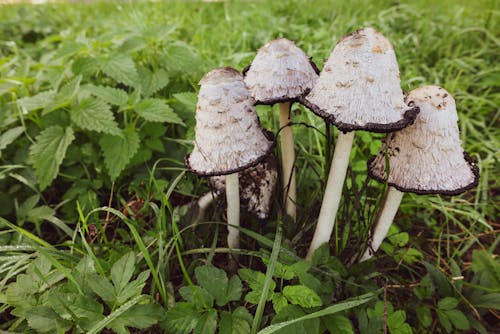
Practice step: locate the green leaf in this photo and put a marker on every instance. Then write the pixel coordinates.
(102, 287)
(188, 99)
(180, 57)
(424, 315)
(151, 82)
(458, 319)
(119, 150)
(85, 66)
(181, 319)
(491, 300)
(396, 320)
(48, 152)
(482, 260)
(69, 304)
(255, 279)
(302, 295)
(121, 68)
(108, 94)
(234, 289)
(139, 316)
(207, 323)
(279, 302)
(445, 322)
(447, 303)
(133, 288)
(38, 101)
(122, 271)
(95, 115)
(337, 323)
(43, 319)
(197, 295)
(237, 322)
(291, 312)
(157, 110)
(439, 279)
(215, 281)
(65, 95)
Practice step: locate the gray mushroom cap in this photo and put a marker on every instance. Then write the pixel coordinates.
(280, 72)
(427, 157)
(257, 185)
(228, 136)
(359, 87)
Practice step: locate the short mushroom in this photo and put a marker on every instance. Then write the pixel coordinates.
(425, 158)
(229, 137)
(358, 89)
(280, 73)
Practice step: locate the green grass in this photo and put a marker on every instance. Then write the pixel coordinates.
(59, 237)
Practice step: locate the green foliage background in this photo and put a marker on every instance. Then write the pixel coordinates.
(97, 109)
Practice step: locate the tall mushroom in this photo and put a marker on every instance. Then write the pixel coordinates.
(425, 158)
(358, 89)
(280, 73)
(229, 137)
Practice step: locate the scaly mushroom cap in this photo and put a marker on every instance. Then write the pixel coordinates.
(256, 186)
(228, 137)
(427, 157)
(280, 72)
(359, 86)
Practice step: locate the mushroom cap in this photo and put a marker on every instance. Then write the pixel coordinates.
(427, 157)
(228, 135)
(257, 185)
(359, 86)
(280, 72)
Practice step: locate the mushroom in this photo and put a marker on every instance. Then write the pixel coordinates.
(280, 73)
(229, 137)
(425, 158)
(358, 89)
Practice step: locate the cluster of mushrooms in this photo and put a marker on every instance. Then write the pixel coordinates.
(357, 90)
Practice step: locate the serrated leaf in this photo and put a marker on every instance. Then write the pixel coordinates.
(197, 295)
(157, 110)
(102, 287)
(491, 300)
(151, 82)
(458, 319)
(38, 101)
(43, 319)
(48, 153)
(95, 115)
(9, 136)
(338, 324)
(445, 322)
(119, 150)
(85, 66)
(447, 303)
(396, 320)
(139, 316)
(69, 304)
(279, 302)
(121, 68)
(181, 319)
(255, 279)
(133, 289)
(213, 280)
(237, 322)
(302, 295)
(234, 289)
(439, 279)
(180, 57)
(207, 323)
(108, 94)
(188, 99)
(482, 260)
(424, 316)
(122, 271)
(64, 96)
(68, 48)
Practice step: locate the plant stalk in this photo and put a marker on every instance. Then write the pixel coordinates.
(333, 192)
(233, 210)
(203, 203)
(288, 161)
(383, 220)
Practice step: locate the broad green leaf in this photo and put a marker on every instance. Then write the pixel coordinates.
(69, 304)
(458, 319)
(338, 324)
(447, 303)
(85, 66)
(197, 295)
(491, 300)
(439, 279)
(157, 110)
(122, 271)
(43, 319)
(234, 289)
(119, 150)
(38, 101)
(482, 260)
(279, 302)
(207, 323)
(214, 280)
(121, 68)
(95, 115)
(64, 96)
(48, 152)
(396, 320)
(301, 295)
(255, 279)
(188, 99)
(151, 82)
(68, 48)
(290, 312)
(445, 322)
(139, 316)
(424, 315)
(180, 57)
(237, 322)
(181, 319)
(108, 94)
(134, 288)
(102, 287)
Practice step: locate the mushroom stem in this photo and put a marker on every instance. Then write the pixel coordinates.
(333, 192)
(203, 203)
(288, 160)
(383, 221)
(233, 210)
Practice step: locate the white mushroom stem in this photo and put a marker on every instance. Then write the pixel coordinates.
(203, 203)
(383, 221)
(288, 160)
(333, 192)
(233, 210)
